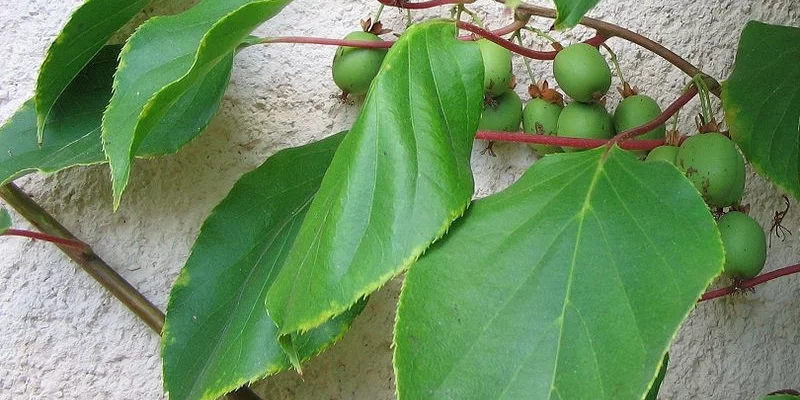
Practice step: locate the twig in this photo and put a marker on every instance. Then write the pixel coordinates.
(95, 266)
(610, 30)
(420, 5)
(595, 41)
(793, 269)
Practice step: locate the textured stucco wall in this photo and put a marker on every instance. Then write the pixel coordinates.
(62, 336)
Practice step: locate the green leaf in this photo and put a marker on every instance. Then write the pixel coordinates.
(73, 126)
(84, 35)
(396, 183)
(570, 12)
(781, 397)
(153, 76)
(652, 394)
(5, 220)
(568, 285)
(218, 336)
(762, 102)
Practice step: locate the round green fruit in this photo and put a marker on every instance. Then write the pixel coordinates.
(663, 153)
(745, 245)
(502, 114)
(585, 120)
(636, 111)
(354, 68)
(582, 72)
(497, 73)
(541, 117)
(715, 167)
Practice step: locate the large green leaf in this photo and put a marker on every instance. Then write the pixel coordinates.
(396, 183)
(5, 220)
(568, 285)
(87, 30)
(73, 126)
(762, 102)
(570, 12)
(218, 336)
(161, 61)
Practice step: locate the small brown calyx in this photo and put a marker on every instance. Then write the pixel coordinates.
(708, 127)
(627, 91)
(375, 29)
(673, 138)
(742, 208)
(542, 90)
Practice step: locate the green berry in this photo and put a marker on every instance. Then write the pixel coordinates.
(636, 111)
(497, 73)
(585, 120)
(663, 153)
(502, 113)
(354, 68)
(541, 117)
(582, 72)
(715, 167)
(745, 245)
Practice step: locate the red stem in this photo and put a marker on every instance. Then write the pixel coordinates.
(793, 269)
(366, 44)
(581, 143)
(666, 115)
(422, 4)
(595, 41)
(45, 237)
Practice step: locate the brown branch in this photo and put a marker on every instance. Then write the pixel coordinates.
(610, 30)
(87, 259)
(793, 269)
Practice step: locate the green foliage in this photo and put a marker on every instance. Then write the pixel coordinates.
(5, 220)
(88, 29)
(152, 77)
(568, 285)
(762, 102)
(73, 125)
(217, 336)
(396, 183)
(570, 12)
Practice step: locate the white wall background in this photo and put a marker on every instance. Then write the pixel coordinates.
(62, 336)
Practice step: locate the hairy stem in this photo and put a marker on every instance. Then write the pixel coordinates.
(47, 238)
(595, 41)
(420, 5)
(609, 30)
(87, 259)
(713, 294)
(580, 143)
(661, 119)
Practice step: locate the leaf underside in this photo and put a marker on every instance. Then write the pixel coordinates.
(84, 35)
(218, 336)
(164, 58)
(73, 126)
(762, 102)
(570, 12)
(568, 285)
(395, 184)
